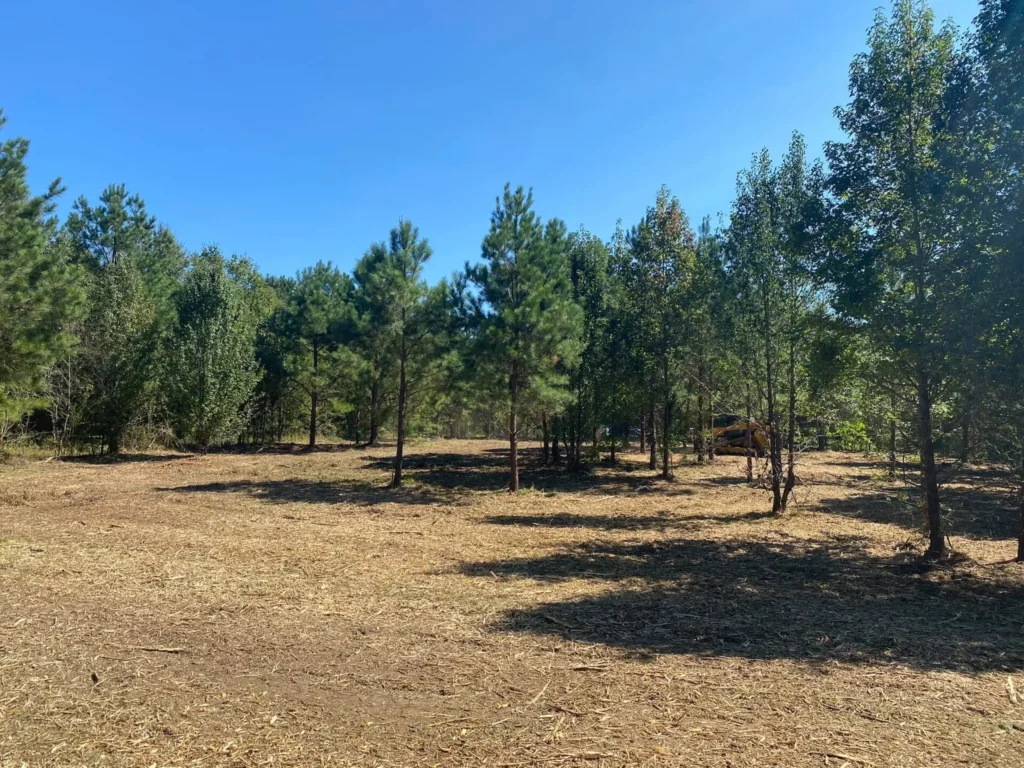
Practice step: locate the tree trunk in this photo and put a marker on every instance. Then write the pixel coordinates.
(643, 433)
(546, 437)
(892, 436)
(774, 438)
(666, 431)
(698, 440)
(709, 434)
(791, 436)
(396, 479)
(965, 433)
(613, 451)
(374, 408)
(313, 397)
(666, 425)
(556, 455)
(929, 472)
(513, 431)
(749, 442)
(1020, 504)
(822, 435)
(652, 436)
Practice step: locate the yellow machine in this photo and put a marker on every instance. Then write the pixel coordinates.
(730, 436)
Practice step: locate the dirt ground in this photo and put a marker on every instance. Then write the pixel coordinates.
(278, 608)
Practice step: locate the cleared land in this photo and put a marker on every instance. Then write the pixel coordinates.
(277, 608)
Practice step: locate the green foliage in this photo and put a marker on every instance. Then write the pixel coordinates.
(318, 316)
(593, 377)
(898, 218)
(213, 368)
(529, 325)
(658, 277)
(120, 226)
(852, 435)
(528, 322)
(402, 321)
(118, 346)
(40, 290)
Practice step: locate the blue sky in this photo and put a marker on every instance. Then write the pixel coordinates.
(297, 131)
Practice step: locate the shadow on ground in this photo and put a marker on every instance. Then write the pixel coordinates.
(658, 522)
(782, 600)
(488, 471)
(317, 492)
(127, 458)
(977, 503)
(296, 449)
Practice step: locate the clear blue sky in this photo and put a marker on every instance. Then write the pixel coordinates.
(302, 130)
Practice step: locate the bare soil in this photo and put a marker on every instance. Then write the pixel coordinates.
(280, 608)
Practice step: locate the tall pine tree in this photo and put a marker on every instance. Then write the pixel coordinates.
(529, 322)
(39, 290)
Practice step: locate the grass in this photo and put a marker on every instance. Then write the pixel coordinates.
(280, 608)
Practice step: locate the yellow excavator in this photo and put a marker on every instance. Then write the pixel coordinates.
(730, 436)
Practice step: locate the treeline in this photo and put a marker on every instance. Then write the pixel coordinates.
(870, 301)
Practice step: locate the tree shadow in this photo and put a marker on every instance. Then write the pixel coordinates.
(288, 449)
(126, 458)
(949, 471)
(292, 491)
(724, 480)
(971, 511)
(774, 600)
(778, 600)
(659, 522)
(488, 471)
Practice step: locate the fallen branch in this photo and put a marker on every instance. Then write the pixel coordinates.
(841, 756)
(559, 622)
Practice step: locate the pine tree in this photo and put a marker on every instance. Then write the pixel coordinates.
(801, 211)
(408, 319)
(999, 53)
(319, 316)
(591, 382)
(213, 368)
(529, 322)
(118, 342)
(896, 275)
(39, 289)
(758, 279)
(128, 256)
(120, 225)
(372, 303)
(708, 338)
(660, 275)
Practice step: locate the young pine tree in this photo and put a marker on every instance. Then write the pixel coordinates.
(529, 322)
(662, 258)
(318, 316)
(408, 319)
(118, 344)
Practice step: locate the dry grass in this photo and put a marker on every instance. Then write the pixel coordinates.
(279, 609)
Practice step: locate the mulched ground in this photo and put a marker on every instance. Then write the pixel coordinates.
(279, 608)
